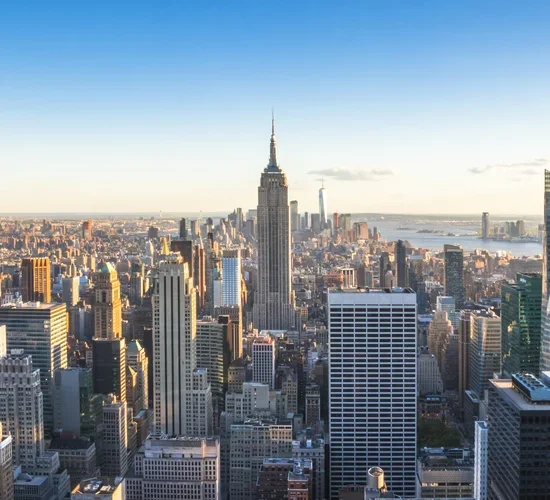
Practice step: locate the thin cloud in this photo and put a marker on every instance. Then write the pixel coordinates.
(525, 168)
(349, 174)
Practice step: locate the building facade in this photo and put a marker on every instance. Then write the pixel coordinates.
(36, 280)
(107, 305)
(454, 273)
(231, 272)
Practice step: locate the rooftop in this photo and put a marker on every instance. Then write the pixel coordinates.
(372, 290)
(506, 388)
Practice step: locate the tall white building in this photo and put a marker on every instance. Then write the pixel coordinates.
(231, 272)
(429, 376)
(274, 300)
(485, 349)
(323, 210)
(182, 467)
(480, 460)
(263, 361)
(373, 387)
(182, 396)
(545, 344)
(21, 408)
(71, 293)
(41, 331)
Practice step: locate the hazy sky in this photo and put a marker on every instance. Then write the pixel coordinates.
(411, 106)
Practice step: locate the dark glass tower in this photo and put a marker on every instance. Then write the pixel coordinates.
(454, 274)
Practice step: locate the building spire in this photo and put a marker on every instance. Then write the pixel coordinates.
(272, 165)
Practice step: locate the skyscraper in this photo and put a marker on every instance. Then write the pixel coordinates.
(401, 264)
(294, 216)
(480, 460)
(263, 361)
(136, 358)
(545, 345)
(109, 367)
(454, 273)
(274, 301)
(485, 225)
(521, 316)
(71, 290)
(373, 387)
(36, 284)
(107, 306)
(323, 211)
(231, 272)
(6, 464)
(182, 397)
(41, 331)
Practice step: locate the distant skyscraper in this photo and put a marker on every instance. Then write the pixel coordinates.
(521, 324)
(36, 284)
(71, 291)
(485, 225)
(519, 426)
(21, 408)
(463, 357)
(87, 230)
(545, 345)
(107, 306)
(294, 216)
(485, 345)
(401, 261)
(183, 229)
(41, 331)
(371, 393)
(454, 273)
(182, 396)
(323, 210)
(231, 273)
(274, 300)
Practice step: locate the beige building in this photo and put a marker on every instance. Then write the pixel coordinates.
(36, 280)
(107, 306)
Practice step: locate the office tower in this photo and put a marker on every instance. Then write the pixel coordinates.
(288, 381)
(114, 441)
(109, 367)
(21, 408)
(136, 289)
(485, 345)
(190, 469)
(373, 387)
(252, 441)
(323, 211)
(463, 357)
(87, 230)
(214, 355)
(36, 280)
(440, 327)
(183, 229)
(449, 362)
(41, 331)
(182, 396)
(519, 426)
(360, 231)
(480, 460)
(263, 361)
(274, 301)
(521, 313)
(485, 225)
(235, 340)
(137, 360)
(285, 478)
(429, 376)
(316, 223)
(76, 408)
(71, 293)
(313, 405)
(305, 221)
(107, 305)
(454, 273)
(6, 463)
(236, 376)
(199, 275)
(231, 269)
(384, 266)
(448, 304)
(294, 216)
(545, 344)
(401, 264)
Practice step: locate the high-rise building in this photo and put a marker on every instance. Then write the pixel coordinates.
(76, 408)
(463, 358)
(252, 441)
(294, 216)
(285, 478)
(107, 305)
(231, 269)
(274, 300)
(521, 314)
(176, 467)
(480, 460)
(323, 210)
(109, 367)
(21, 408)
(485, 225)
(114, 441)
(454, 273)
(429, 375)
(373, 387)
(71, 291)
(545, 344)
(183, 229)
(263, 361)
(448, 304)
(235, 339)
(401, 264)
(519, 426)
(36, 280)
(485, 346)
(6, 464)
(41, 331)
(182, 395)
(440, 327)
(136, 359)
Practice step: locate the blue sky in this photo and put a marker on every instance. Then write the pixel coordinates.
(401, 106)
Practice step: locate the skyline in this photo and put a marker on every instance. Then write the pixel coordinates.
(412, 106)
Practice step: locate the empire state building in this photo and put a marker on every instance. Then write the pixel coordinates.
(274, 301)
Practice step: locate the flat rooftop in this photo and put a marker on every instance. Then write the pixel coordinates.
(506, 387)
(371, 290)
